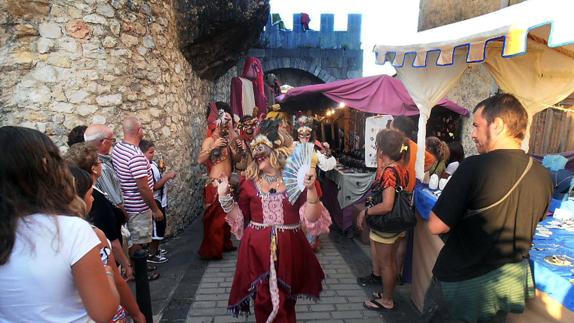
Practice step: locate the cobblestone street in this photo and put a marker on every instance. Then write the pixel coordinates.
(192, 290)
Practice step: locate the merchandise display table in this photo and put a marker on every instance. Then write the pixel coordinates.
(343, 188)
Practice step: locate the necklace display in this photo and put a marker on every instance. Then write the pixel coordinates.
(269, 178)
(272, 180)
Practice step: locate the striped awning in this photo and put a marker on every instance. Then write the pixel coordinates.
(547, 22)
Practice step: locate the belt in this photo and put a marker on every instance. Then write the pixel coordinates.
(257, 225)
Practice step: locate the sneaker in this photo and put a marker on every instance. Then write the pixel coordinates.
(370, 279)
(157, 259)
(162, 252)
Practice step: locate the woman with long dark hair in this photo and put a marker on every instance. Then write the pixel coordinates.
(393, 152)
(50, 267)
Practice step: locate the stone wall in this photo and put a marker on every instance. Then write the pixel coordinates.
(67, 63)
(475, 85)
(327, 54)
(434, 13)
(222, 87)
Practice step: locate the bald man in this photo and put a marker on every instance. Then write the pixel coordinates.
(134, 173)
(107, 211)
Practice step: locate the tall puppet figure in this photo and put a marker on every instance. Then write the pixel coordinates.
(216, 155)
(275, 264)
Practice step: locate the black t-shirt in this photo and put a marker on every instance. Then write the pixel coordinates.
(503, 234)
(104, 217)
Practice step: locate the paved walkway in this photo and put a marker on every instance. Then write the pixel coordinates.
(193, 290)
(341, 300)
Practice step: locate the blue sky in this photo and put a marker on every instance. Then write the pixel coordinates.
(382, 21)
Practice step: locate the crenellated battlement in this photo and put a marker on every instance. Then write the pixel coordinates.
(325, 38)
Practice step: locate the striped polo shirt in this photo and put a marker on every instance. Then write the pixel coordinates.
(131, 164)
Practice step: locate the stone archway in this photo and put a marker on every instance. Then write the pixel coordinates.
(294, 77)
(298, 64)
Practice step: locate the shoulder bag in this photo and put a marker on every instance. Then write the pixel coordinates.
(401, 217)
(470, 213)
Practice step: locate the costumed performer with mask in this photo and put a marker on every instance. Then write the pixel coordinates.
(304, 133)
(217, 157)
(240, 146)
(326, 163)
(275, 264)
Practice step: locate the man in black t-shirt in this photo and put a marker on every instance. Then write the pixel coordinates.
(482, 272)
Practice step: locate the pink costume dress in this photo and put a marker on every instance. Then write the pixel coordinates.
(274, 236)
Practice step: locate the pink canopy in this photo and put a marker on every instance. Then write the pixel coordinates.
(380, 94)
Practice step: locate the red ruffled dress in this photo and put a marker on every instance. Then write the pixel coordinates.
(274, 235)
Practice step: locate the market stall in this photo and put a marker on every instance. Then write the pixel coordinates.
(344, 188)
(529, 55)
(551, 259)
(375, 95)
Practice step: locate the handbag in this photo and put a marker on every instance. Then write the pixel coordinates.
(401, 217)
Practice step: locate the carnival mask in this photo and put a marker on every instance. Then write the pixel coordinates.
(261, 147)
(248, 126)
(304, 133)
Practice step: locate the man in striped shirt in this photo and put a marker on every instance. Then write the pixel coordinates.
(134, 173)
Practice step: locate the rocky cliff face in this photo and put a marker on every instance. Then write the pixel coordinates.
(214, 33)
(67, 63)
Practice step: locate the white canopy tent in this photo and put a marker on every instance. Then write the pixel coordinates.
(528, 48)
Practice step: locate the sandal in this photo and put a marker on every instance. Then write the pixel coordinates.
(374, 305)
(377, 295)
(153, 276)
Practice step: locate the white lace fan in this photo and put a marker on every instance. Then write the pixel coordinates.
(298, 164)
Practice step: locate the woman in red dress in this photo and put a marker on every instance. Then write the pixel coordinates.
(275, 264)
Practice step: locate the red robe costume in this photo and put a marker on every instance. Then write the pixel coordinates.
(216, 232)
(273, 236)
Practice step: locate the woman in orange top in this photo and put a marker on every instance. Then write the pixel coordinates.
(392, 151)
(405, 126)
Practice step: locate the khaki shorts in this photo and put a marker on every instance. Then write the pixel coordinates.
(386, 238)
(140, 226)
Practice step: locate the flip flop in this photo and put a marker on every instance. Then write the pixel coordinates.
(377, 295)
(153, 276)
(376, 306)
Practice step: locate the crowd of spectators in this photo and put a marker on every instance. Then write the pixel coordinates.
(81, 215)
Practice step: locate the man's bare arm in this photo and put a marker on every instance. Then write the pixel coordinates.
(206, 148)
(147, 196)
(436, 225)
